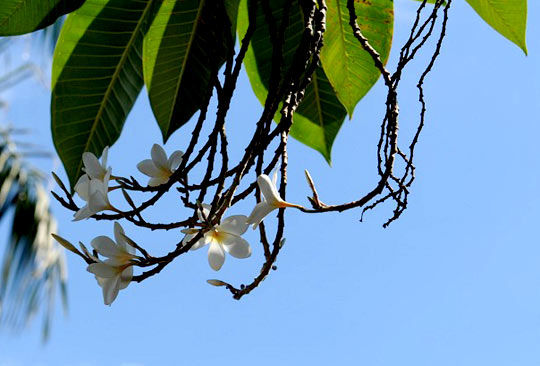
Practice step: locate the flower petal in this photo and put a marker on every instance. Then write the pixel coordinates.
(157, 181)
(236, 225)
(216, 256)
(102, 269)
(174, 160)
(259, 212)
(268, 189)
(83, 213)
(198, 244)
(92, 166)
(159, 156)
(106, 247)
(119, 236)
(82, 187)
(98, 202)
(147, 167)
(125, 277)
(237, 246)
(110, 290)
(205, 210)
(104, 157)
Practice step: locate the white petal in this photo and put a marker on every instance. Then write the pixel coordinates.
(127, 245)
(157, 181)
(83, 186)
(83, 213)
(216, 256)
(92, 166)
(125, 277)
(110, 290)
(102, 269)
(159, 156)
(105, 180)
(198, 244)
(97, 185)
(205, 210)
(119, 235)
(104, 157)
(268, 189)
(236, 225)
(147, 167)
(187, 239)
(274, 177)
(174, 160)
(237, 247)
(106, 247)
(259, 212)
(98, 202)
(103, 281)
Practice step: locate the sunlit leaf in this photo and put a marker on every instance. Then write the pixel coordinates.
(508, 17)
(25, 16)
(349, 67)
(320, 115)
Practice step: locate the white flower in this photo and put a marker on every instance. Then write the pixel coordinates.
(95, 193)
(93, 168)
(271, 201)
(222, 238)
(115, 273)
(160, 168)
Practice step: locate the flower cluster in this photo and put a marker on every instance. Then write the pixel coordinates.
(116, 271)
(93, 186)
(112, 261)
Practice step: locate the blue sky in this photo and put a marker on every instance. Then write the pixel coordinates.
(455, 281)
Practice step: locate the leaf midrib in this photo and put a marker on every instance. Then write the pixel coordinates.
(114, 78)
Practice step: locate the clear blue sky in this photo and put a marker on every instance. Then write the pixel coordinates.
(456, 281)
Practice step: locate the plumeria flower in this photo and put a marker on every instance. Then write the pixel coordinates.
(271, 201)
(222, 238)
(95, 193)
(160, 168)
(93, 168)
(114, 273)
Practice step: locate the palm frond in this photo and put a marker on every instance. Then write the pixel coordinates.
(33, 266)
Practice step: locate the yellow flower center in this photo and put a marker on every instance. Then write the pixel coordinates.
(217, 236)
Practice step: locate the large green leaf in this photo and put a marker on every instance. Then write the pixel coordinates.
(349, 67)
(508, 17)
(185, 45)
(320, 115)
(96, 77)
(25, 16)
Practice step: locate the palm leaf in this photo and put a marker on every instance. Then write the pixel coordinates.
(33, 267)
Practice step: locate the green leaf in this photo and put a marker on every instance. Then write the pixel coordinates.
(185, 46)
(96, 77)
(320, 115)
(349, 67)
(25, 16)
(508, 17)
